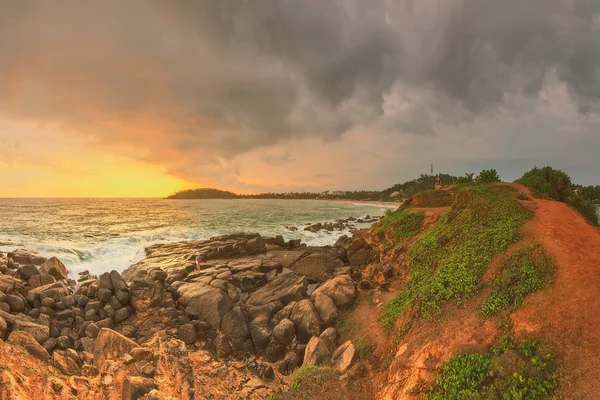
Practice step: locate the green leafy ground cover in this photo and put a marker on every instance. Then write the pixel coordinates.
(524, 272)
(447, 262)
(509, 372)
(433, 198)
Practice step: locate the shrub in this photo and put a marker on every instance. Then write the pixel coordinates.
(585, 208)
(461, 377)
(405, 223)
(487, 176)
(553, 183)
(468, 178)
(524, 272)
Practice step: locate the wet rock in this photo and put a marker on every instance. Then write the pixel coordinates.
(106, 281)
(28, 342)
(111, 345)
(344, 356)
(285, 332)
(104, 294)
(54, 267)
(23, 256)
(117, 281)
(306, 319)
(316, 353)
(326, 309)
(341, 289)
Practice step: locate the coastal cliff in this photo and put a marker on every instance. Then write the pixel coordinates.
(475, 291)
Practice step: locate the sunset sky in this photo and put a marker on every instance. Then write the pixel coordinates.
(143, 98)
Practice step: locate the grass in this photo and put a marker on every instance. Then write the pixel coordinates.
(432, 198)
(447, 262)
(404, 223)
(461, 377)
(521, 274)
(525, 373)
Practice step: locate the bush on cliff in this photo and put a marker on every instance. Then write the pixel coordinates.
(432, 198)
(404, 223)
(448, 260)
(553, 183)
(524, 272)
(585, 208)
(488, 176)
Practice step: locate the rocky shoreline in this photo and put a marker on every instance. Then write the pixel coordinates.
(256, 309)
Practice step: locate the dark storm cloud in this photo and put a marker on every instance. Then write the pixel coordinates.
(230, 76)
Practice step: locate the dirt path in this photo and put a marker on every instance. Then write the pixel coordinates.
(566, 314)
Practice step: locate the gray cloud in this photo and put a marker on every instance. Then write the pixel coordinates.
(231, 76)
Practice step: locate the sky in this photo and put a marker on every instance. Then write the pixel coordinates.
(141, 98)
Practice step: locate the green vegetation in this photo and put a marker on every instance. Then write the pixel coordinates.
(432, 198)
(203, 194)
(468, 178)
(556, 185)
(448, 260)
(405, 223)
(524, 272)
(313, 375)
(584, 207)
(503, 375)
(550, 182)
(461, 377)
(487, 176)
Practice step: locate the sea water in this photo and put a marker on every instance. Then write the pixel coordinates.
(105, 234)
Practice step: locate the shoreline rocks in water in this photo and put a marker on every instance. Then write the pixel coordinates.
(251, 298)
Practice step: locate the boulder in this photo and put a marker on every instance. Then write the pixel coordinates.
(111, 345)
(3, 328)
(117, 281)
(204, 302)
(135, 387)
(330, 336)
(54, 267)
(16, 303)
(23, 256)
(260, 330)
(317, 266)
(65, 364)
(306, 319)
(187, 334)
(28, 342)
(341, 289)
(316, 353)
(222, 346)
(20, 322)
(285, 332)
(235, 327)
(344, 356)
(326, 309)
(283, 288)
(275, 351)
(27, 271)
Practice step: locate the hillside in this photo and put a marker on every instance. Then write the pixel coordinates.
(204, 193)
(470, 292)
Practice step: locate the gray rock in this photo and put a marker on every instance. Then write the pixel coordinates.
(104, 294)
(135, 387)
(23, 256)
(341, 289)
(235, 327)
(285, 332)
(222, 346)
(55, 268)
(283, 288)
(27, 341)
(260, 330)
(317, 266)
(117, 281)
(48, 302)
(344, 356)
(92, 331)
(16, 303)
(187, 334)
(306, 319)
(275, 351)
(330, 336)
(204, 302)
(122, 314)
(123, 297)
(326, 309)
(106, 281)
(3, 328)
(27, 271)
(316, 353)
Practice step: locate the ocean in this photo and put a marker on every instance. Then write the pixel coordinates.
(105, 234)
